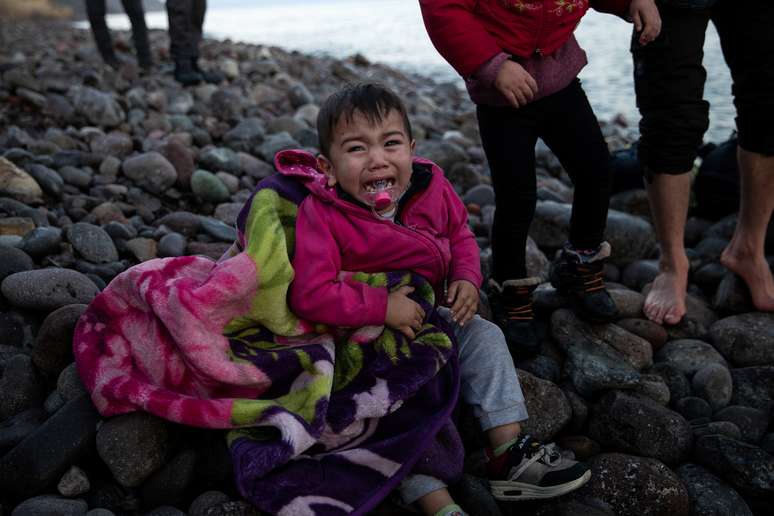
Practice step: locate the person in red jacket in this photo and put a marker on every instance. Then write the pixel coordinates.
(520, 63)
(374, 207)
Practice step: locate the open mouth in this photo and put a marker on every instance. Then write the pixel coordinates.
(378, 185)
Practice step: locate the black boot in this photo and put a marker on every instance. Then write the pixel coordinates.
(186, 75)
(512, 310)
(211, 76)
(580, 275)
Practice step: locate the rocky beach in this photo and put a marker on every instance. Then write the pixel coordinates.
(101, 169)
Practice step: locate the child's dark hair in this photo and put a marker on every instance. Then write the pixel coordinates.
(373, 101)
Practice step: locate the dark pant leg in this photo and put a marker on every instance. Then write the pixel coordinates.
(747, 40)
(183, 41)
(197, 22)
(669, 83)
(572, 132)
(95, 10)
(509, 137)
(134, 11)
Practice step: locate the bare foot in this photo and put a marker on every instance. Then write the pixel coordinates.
(755, 272)
(665, 303)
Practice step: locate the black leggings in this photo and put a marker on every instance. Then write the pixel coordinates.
(95, 10)
(186, 19)
(568, 126)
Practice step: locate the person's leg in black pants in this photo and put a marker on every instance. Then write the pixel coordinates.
(509, 136)
(134, 11)
(186, 18)
(669, 84)
(182, 41)
(198, 8)
(197, 22)
(572, 132)
(95, 10)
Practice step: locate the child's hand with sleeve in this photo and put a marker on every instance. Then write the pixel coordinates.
(462, 297)
(646, 18)
(404, 314)
(515, 83)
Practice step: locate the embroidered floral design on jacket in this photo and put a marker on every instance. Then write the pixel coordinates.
(567, 6)
(521, 5)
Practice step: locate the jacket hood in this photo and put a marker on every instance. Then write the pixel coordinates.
(302, 165)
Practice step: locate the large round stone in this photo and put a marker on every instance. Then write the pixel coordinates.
(151, 171)
(48, 289)
(635, 349)
(549, 410)
(209, 187)
(754, 387)
(99, 108)
(41, 459)
(746, 339)
(41, 242)
(20, 387)
(713, 383)
(13, 260)
(47, 505)
(636, 485)
(18, 184)
(746, 467)
(637, 424)
(689, 355)
(709, 495)
(92, 243)
(133, 446)
(53, 345)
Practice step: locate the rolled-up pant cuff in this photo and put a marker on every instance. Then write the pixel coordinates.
(513, 414)
(415, 487)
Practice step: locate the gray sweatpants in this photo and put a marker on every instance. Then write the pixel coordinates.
(488, 383)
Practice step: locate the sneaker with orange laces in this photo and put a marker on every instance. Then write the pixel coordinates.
(511, 304)
(530, 470)
(580, 274)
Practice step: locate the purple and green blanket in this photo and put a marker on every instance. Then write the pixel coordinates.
(321, 420)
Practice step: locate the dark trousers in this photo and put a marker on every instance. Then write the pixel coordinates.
(186, 19)
(566, 123)
(669, 81)
(95, 9)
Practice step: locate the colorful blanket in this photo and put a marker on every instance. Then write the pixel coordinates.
(323, 420)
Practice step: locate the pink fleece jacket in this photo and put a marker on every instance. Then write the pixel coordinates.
(335, 235)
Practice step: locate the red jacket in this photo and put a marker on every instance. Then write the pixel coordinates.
(468, 33)
(334, 235)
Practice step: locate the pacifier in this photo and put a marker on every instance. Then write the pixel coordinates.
(383, 195)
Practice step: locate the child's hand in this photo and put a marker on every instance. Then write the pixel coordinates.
(403, 314)
(463, 299)
(647, 20)
(515, 83)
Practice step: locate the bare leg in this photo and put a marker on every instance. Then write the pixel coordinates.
(435, 501)
(502, 434)
(744, 254)
(669, 195)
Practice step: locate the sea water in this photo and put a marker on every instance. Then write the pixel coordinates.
(392, 32)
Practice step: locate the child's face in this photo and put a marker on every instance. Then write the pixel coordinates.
(362, 153)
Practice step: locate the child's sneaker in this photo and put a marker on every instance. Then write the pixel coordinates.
(530, 470)
(580, 275)
(511, 305)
